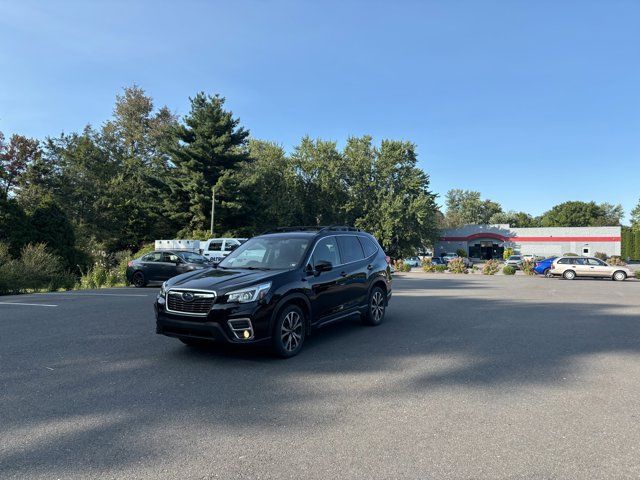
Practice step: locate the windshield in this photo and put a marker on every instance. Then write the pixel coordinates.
(190, 257)
(267, 253)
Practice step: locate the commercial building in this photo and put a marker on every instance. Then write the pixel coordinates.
(489, 241)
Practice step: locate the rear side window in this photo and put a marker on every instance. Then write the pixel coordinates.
(153, 257)
(350, 248)
(565, 261)
(215, 246)
(368, 246)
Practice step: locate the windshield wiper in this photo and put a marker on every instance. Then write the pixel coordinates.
(255, 268)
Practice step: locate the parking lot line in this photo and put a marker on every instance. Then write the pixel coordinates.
(29, 304)
(74, 294)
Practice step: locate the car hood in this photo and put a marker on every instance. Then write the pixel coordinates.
(219, 279)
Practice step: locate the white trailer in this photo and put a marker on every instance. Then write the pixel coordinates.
(181, 245)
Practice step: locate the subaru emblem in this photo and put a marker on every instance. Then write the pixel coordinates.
(187, 297)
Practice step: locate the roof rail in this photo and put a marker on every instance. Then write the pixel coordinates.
(306, 228)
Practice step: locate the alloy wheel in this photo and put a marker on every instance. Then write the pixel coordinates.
(291, 331)
(619, 276)
(138, 280)
(377, 306)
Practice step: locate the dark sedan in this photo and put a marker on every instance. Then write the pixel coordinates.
(162, 265)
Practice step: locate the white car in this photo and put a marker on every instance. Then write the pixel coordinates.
(529, 258)
(447, 257)
(572, 267)
(215, 249)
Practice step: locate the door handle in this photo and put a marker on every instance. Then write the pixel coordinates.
(369, 267)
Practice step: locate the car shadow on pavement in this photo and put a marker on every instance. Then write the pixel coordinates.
(103, 395)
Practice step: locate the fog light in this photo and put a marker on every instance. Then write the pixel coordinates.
(246, 334)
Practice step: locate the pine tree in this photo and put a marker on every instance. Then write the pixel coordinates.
(210, 141)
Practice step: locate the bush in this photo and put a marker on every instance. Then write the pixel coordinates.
(616, 261)
(509, 270)
(490, 267)
(461, 252)
(457, 266)
(570, 254)
(440, 268)
(527, 267)
(400, 266)
(600, 255)
(638, 274)
(428, 267)
(507, 253)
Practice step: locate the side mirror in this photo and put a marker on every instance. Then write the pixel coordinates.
(323, 266)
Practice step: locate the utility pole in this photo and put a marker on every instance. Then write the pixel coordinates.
(213, 207)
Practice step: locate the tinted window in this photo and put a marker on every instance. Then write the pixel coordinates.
(215, 246)
(169, 257)
(153, 257)
(231, 245)
(368, 245)
(350, 248)
(326, 250)
(193, 257)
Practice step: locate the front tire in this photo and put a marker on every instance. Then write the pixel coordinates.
(569, 275)
(139, 280)
(376, 307)
(619, 276)
(289, 332)
(547, 273)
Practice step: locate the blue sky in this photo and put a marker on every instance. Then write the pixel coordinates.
(531, 103)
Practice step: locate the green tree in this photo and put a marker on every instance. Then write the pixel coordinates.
(403, 214)
(582, 214)
(635, 217)
(15, 228)
(514, 219)
(467, 207)
(210, 141)
(15, 156)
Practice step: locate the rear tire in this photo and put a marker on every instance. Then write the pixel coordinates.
(569, 275)
(289, 332)
(376, 308)
(619, 276)
(138, 280)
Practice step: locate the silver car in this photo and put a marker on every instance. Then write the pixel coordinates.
(572, 267)
(514, 261)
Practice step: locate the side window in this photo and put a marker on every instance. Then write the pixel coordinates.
(564, 261)
(350, 248)
(170, 257)
(595, 262)
(215, 246)
(153, 257)
(231, 245)
(368, 246)
(580, 261)
(326, 250)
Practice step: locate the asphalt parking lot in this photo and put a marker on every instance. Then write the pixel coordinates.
(469, 377)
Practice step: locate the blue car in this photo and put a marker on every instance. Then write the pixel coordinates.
(543, 267)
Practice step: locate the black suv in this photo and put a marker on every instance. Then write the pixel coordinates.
(277, 288)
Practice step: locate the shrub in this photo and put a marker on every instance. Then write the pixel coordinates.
(441, 268)
(428, 267)
(570, 254)
(35, 269)
(638, 274)
(509, 270)
(490, 267)
(461, 252)
(527, 267)
(600, 255)
(400, 266)
(616, 261)
(507, 253)
(457, 266)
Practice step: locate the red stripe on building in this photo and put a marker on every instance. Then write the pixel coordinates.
(530, 239)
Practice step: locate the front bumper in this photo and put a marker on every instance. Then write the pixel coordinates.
(219, 324)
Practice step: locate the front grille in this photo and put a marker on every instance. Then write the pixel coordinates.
(190, 302)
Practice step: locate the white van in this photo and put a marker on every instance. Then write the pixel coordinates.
(215, 249)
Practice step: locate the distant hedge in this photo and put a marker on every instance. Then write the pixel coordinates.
(630, 243)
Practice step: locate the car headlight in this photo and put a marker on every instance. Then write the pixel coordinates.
(163, 289)
(250, 294)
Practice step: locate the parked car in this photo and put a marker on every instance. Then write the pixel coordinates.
(277, 288)
(543, 267)
(514, 260)
(572, 267)
(529, 258)
(412, 261)
(161, 265)
(438, 261)
(217, 248)
(447, 257)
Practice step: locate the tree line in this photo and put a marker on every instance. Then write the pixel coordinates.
(146, 174)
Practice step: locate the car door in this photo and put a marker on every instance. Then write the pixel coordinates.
(151, 265)
(214, 250)
(325, 286)
(582, 267)
(354, 272)
(170, 264)
(598, 268)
